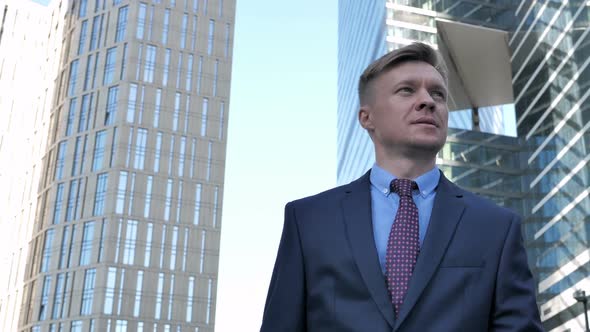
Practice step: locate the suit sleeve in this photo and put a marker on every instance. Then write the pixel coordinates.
(284, 310)
(515, 305)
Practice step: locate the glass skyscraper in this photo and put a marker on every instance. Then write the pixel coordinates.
(124, 232)
(516, 69)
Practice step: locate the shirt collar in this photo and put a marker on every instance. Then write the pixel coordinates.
(427, 182)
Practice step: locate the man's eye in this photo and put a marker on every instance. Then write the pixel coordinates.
(405, 89)
(439, 95)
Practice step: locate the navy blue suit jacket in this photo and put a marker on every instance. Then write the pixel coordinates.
(471, 274)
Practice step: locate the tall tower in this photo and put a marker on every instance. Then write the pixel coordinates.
(126, 234)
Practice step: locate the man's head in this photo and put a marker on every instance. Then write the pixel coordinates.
(403, 102)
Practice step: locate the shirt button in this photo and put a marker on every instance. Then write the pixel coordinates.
(385, 191)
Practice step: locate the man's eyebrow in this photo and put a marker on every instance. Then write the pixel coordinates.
(412, 81)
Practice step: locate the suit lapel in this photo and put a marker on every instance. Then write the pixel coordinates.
(446, 213)
(356, 207)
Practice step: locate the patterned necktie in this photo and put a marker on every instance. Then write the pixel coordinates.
(403, 245)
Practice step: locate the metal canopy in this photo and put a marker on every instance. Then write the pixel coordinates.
(479, 65)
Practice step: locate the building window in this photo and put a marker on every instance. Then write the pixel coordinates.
(109, 66)
(226, 48)
(86, 248)
(130, 242)
(162, 247)
(194, 33)
(60, 160)
(88, 72)
(168, 201)
(166, 26)
(159, 293)
(138, 286)
(187, 107)
(220, 14)
(43, 306)
(138, 68)
(64, 252)
(179, 71)
(171, 155)
(181, 156)
(141, 20)
(123, 62)
(151, 23)
(204, 117)
(166, 67)
(193, 148)
(121, 191)
(171, 298)
(76, 159)
(72, 198)
(158, 152)
(121, 24)
(199, 74)
(148, 244)
(73, 77)
(211, 37)
(215, 76)
(109, 295)
(157, 107)
(190, 299)
(58, 203)
(189, 73)
(82, 9)
(111, 108)
(215, 205)
(148, 196)
(88, 292)
(195, 6)
(176, 113)
(99, 197)
(83, 121)
(129, 147)
(46, 258)
(150, 64)
(202, 256)
(183, 30)
(131, 194)
(140, 148)
(132, 103)
(99, 146)
(209, 301)
(76, 326)
(58, 297)
(173, 249)
(71, 117)
(197, 204)
(185, 249)
(221, 116)
(82, 40)
(95, 35)
(205, 5)
(209, 159)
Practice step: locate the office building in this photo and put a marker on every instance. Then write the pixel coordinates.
(516, 69)
(128, 198)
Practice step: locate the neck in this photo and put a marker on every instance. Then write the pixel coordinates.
(404, 167)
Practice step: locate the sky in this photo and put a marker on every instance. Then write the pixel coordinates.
(281, 141)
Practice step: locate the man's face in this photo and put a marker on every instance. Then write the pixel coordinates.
(406, 111)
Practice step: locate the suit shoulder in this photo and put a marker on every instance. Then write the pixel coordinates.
(334, 194)
(486, 205)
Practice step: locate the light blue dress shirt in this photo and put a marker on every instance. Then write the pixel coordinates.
(385, 204)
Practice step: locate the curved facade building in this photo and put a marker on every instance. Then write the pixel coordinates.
(127, 225)
(543, 76)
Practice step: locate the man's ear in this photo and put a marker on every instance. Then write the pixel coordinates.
(365, 118)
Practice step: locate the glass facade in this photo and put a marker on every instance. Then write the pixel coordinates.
(542, 173)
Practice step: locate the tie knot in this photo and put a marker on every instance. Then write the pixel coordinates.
(403, 187)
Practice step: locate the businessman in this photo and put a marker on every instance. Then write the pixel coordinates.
(401, 248)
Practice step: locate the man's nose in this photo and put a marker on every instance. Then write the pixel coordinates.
(425, 101)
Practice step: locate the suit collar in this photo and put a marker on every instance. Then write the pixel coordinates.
(356, 206)
(446, 213)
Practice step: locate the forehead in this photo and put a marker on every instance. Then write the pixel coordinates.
(412, 71)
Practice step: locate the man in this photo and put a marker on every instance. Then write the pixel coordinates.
(401, 248)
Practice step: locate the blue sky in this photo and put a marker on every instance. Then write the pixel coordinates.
(281, 141)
